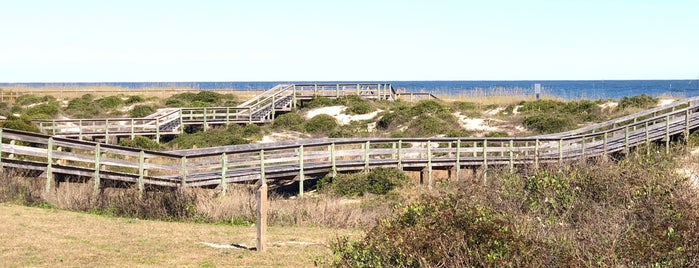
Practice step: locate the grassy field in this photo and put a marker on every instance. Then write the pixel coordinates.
(41, 237)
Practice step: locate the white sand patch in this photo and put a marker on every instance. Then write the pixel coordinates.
(689, 173)
(338, 113)
(610, 105)
(371, 127)
(477, 124)
(515, 111)
(664, 102)
(495, 111)
(282, 136)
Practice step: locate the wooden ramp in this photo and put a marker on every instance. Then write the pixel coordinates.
(260, 109)
(62, 158)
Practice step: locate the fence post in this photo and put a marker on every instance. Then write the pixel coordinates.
(400, 154)
(97, 178)
(183, 171)
(157, 130)
(1, 167)
(560, 151)
(536, 154)
(262, 207)
(293, 103)
(667, 134)
(206, 126)
(141, 171)
(133, 135)
(366, 156)
(429, 164)
(475, 152)
(224, 170)
(301, 176)
(647, 140)
(337, 90)
(106, 131)
(80, 129)
(181, 122)
(485, 161)
(458, 159)
(512, 159)
(584, 145)
(333, 162)
(626, 140)
(686, 127)
(49, 166)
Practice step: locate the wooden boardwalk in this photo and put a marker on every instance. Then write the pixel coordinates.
(60, 159)
(259, 110)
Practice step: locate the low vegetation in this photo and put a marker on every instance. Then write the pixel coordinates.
(634, 213)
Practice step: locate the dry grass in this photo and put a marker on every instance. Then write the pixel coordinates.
(48, 237)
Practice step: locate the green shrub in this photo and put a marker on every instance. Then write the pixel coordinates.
(134, 99)
(548, 123)
(378, 181)
(291, 121)
(20, 124)
(427, 125)
(43, 111)
(497, 134)
(110, 102)
(642, 101)
(634, 213)
(25, 100)
(83, 107)
(319, 101)
(205, 98)
(321, 123)
(355, 104)
(140, 142)
(140, 111)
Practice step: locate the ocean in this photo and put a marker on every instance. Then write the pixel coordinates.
(567, 89)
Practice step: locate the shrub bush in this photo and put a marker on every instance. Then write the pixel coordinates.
(43, 111)
(134, 99)
(321, 123)
(291, 121)
(634, 213)
(548, 123)
(140, 111)
(83, 107)
(141, 142)
(20, 124)
(642, 101)
(378, 181)
(110, 102)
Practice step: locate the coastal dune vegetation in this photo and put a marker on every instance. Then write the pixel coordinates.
(633, 211)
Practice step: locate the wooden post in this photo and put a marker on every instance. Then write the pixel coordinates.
(96, 177)
(626, 140)
(1, 167)
(274, 106)
(181, 121)
(133, 135)
(80, 129)
(429, 164)
(106, 131)
(315, 89)
(206, 126)
(141, 171)
(400, 154)
(512, 159)
(366, 156)
(475, 152)
(333, 162)
(249, 115)
(49, 164)
(647, 140)
(157, 130)
(686, 127)
(228, 114)
(536, 154)
(224, 170)
(458, 159)
(337, 90)
(582, 152)
(262, 207)
(667, 134)
(604, 146)
(293, 103)
(183, 171)
(560, 151)
(485, 161)
(359, 89)
(301, 176)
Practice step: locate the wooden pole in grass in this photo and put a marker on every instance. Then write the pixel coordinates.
(141, 172)
(429, 165)
(485, 161)
(458, 159)
(366, 156)
(262, 206)
(667, 134)
(512, 159)
(1, 167)
(333, 162)
(536, 155)
(400, 154)
(301, 175)
(224, 170)
(49, 164)
(96, 176)
(183, 171)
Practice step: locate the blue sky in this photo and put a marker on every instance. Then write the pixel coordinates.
(115, 41)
